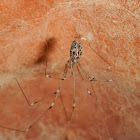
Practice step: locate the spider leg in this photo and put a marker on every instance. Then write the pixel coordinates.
(30, 104)
(108, 68)
(73, 73)
(100, 56)
(92, 95)
(102, 59)
(27, 100)
(40, 117)
(93, 78)
(25, 130)
(61, 83)
(78, 27)
(49, 76)
(64, 76)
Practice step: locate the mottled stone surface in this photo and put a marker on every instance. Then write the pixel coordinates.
(28, 28)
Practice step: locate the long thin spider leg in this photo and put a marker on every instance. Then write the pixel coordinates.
(49, 76)
(113, 73)
(93, 78)
(94, 96)
(99, 55)
(115, 54)
(79, 22)
(95, 51)
(52, 104)
(64, 76)
(103, 60)
(64, 107)
(31, 104)
(57, 93)
(25, 130)
(14, 129)
(85, 72)
(73, 73)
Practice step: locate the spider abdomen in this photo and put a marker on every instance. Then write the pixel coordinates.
(75, 52)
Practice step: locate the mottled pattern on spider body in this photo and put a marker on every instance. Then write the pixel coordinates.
(75, 52)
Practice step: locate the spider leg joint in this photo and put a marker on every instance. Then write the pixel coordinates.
(47, 75)
(89, 92)
(33, 103)
(73, 105)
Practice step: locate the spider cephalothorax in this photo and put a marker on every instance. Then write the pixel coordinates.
(75, 52)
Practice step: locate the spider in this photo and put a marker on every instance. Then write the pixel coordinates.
(72, 64)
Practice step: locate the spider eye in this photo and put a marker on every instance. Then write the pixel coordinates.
(73, 52)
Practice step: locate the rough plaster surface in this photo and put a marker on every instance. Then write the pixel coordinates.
(112, 28)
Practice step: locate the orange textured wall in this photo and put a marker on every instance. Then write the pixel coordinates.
(38, 30)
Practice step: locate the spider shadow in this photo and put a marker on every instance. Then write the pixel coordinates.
(48, 47)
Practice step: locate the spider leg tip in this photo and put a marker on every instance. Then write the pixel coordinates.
(63, 78)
